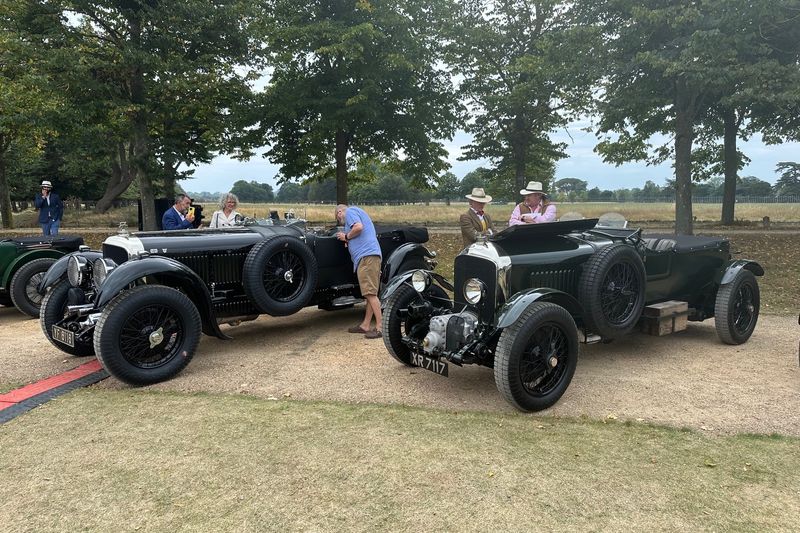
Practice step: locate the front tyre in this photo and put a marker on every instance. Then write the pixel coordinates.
(536, 357)
(397, 323)
(736, 308)
(147, 334)
(54, 305)
(24, 292)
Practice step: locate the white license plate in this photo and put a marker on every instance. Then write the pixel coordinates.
(429, 363)
(64, 336)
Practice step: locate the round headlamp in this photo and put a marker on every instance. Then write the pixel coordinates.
(77, 269)
(420, 280)
(100, 269)
(473, 291)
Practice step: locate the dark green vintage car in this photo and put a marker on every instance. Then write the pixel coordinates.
(528, 296)
(23, 262)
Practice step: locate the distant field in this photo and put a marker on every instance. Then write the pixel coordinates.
(439, 214)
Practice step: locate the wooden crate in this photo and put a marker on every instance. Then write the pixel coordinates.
(665, 318)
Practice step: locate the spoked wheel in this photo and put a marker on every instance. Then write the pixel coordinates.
(280, 275)
(25, 283)
(612, 290)
(147, 334)
(736, 308)
(397, 322)
(536, 357)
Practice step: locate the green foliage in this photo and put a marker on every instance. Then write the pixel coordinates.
(789, 181)
(291, 192)
(253, 192)
(568, 185)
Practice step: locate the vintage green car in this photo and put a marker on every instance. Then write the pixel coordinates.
(528, 296)
(23, 262)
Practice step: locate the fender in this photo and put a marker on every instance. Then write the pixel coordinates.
(59, 269)
(24, 258)
(735, 266)
(515, 306)
(410, 251)
(177, 273)
(405, 277)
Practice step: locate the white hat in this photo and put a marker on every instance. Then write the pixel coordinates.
(478, 195)
(47, 184)
(533, 186)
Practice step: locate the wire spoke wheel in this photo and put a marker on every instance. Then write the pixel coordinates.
(542, 364)
(151, 336)
(619, 293)
(284, 276)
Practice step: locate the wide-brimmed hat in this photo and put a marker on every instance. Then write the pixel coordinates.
(479, 195)
(533, 186)
(46, 184)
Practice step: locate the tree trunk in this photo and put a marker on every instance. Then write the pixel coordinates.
(519, 145)
(121, 178)
(342, 146)
(731, 167)
(5, 192)
(684, 135)
(140, 140)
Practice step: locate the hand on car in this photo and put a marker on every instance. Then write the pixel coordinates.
(341, 236)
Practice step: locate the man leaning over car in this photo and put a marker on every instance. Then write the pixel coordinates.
(362, 241)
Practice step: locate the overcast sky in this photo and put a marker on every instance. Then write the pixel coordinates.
(582, 163)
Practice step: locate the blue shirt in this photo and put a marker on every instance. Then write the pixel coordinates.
(367, 241)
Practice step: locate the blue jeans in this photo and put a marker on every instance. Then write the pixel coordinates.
(50, 228)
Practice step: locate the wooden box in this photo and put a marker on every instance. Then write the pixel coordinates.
(665, 318)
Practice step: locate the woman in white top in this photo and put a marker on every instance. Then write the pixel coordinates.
(535, 209)
(226, 215)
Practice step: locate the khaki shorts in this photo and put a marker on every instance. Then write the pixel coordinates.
(369, 274)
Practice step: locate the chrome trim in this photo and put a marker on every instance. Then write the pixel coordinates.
(130, 243)
(487, 250)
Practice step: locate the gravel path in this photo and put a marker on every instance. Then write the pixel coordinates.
(688, 379)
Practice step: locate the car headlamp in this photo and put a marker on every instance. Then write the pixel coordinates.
(420, 280)
(77, 270)
(101, 268)
(473, 291)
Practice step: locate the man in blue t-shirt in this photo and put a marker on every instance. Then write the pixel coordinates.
(362, 242)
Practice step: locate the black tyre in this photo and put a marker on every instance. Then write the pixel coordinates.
(23, 288)
(5, 300)
(280, 275)
(54, 304)
(395, 326)
(736, 308)
(536, 357)
(147, 334)
(611, 290)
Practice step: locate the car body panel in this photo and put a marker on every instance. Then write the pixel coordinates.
(15, 252)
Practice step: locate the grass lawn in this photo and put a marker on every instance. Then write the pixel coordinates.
(138, 460)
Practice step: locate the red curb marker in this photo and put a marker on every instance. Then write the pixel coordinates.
(12, 398)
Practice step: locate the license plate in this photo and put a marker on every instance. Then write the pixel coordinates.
(64, 336)
(429, 363)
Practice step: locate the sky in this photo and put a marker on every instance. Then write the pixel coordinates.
(581, 162)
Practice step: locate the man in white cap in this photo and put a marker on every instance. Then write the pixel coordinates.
(475, 223)
(50, 209)
(535, 208)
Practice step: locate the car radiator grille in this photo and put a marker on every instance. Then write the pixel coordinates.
(467, 267)
(217, 269)
(565, 280)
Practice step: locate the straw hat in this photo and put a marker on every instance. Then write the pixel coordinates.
(47, 185)
(479, 195)
(533, 186)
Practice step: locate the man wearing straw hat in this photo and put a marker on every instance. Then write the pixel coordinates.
(475, 222)
(50, 209)
(535, 208)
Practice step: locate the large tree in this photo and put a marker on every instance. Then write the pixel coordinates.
(522, 80)
(353, 79)
(153, 80)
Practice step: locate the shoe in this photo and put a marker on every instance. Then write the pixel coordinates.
(357, 329)
(374, 334)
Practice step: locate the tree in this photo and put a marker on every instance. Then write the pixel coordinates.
(253, 192)
(568, 185)
(789, 182)
(291, 192)
(354, 78)
(520, 85)
(752, 186)
(447, 186)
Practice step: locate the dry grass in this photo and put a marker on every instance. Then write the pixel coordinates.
(136, 460)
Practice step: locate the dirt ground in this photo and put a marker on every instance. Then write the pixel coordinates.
(688, 379)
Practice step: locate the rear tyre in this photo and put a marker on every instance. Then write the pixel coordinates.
(611, 290)
(736, 308)
(54, 304)
(536, 357)
(397, 324)
(147, 334)
(24, 285)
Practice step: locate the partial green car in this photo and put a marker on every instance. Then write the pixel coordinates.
(23, 262)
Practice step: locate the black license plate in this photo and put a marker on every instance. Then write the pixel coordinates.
(429, 363)
(64, 336)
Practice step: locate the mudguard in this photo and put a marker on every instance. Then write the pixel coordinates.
(388, 290)
(517, 304)
(59, 269)
(733, 267)
(177, 274)
(24, 258)
(410, 252)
